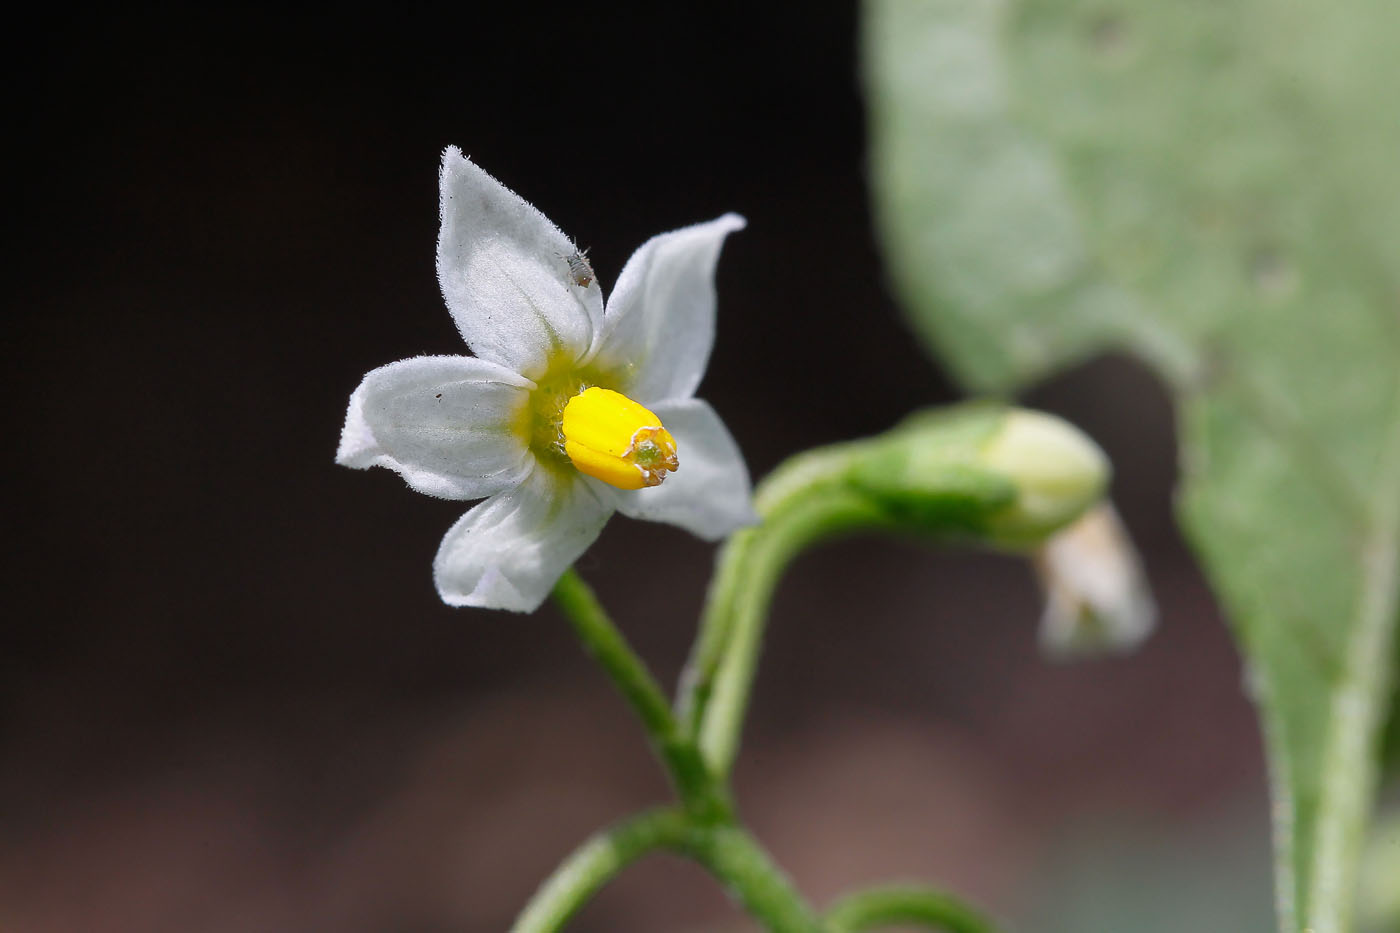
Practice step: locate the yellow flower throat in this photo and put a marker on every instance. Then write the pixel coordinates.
(572, 423)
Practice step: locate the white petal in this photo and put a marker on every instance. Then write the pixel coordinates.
(504, 271)
(710, 494)
(509, 551)
(1096, 594)
(447, 424)
(660, 320)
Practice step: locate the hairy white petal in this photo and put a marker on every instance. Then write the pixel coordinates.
(710, 495)
(447, 424)
(509, 551)
(504, 271)
(660, 321)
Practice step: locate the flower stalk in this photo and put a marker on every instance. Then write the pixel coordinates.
(716, 689)
(702, 829)
(703, 797)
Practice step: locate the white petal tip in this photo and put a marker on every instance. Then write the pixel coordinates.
(1097, 597)
(1068, 632)
(508, 551)
(357, 448)
(356, 461)
(492, 591)
(348, 455)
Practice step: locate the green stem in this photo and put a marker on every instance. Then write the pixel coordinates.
(703, 831)
(929, 475)
(726, 851)
(741, 864)
(701, 794)
(756, 565)
(926, 477)
(607, 646)
(804, 500)
(904, 904)
(595, 863)
(733, 576)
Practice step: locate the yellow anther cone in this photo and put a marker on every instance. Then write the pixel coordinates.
(612, 438)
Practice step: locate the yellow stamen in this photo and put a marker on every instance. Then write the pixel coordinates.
(612, 438)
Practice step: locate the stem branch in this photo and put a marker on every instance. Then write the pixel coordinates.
(595, 863)
(726, 851)
(904, 904)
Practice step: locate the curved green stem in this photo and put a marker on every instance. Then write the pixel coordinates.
(748, 568)
(727, 852)
(702, 795)
(759, 564)
(807, 499)
(927, 477)
(904, 904)
(595, 863)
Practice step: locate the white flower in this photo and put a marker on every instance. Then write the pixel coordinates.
(566, 413)
(1096, 594)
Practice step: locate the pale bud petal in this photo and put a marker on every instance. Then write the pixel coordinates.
(1096, 594)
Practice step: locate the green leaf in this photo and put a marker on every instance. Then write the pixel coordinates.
(1212, 186)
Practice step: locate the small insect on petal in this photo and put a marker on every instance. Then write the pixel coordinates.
(580, 270)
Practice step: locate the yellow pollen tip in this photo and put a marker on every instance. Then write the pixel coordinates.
(612, 438)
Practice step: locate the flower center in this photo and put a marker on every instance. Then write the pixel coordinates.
(612, 438)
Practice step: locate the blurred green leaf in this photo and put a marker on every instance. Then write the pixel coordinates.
(1212, 187)
(1390, 738)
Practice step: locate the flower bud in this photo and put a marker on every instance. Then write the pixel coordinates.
(1002, 476)
(1057, 472)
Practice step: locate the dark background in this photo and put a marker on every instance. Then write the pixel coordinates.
(231, 698)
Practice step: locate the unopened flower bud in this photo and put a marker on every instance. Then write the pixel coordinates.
(1001, 476)
(1057, 472)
